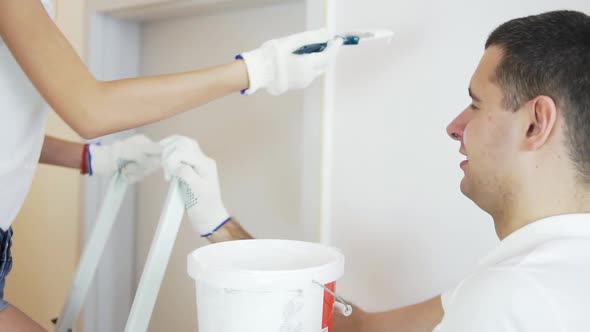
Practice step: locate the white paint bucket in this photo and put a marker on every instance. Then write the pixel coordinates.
(265, 286)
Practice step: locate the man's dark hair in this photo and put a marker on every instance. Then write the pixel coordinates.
(549, 55)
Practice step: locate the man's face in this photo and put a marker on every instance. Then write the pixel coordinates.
(490, 137)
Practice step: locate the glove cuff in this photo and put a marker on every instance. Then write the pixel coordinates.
(259, 64)
(211, 221)
(217, 228)
(99, 160)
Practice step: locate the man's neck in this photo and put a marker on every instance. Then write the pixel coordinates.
(539, 205)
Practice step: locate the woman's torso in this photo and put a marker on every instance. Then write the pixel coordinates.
(23, 115)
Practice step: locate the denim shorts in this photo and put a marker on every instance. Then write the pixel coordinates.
(5, 262)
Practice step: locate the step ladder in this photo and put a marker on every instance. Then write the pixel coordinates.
(154, 268)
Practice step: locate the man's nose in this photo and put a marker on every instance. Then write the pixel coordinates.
(456, 128)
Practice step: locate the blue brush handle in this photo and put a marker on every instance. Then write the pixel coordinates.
(319, 47)
(311, 48)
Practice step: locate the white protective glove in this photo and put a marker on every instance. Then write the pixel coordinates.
(275, 68)
(182, 158)
(136, 157)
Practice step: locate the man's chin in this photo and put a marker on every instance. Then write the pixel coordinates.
(464, 186)
(467, 189)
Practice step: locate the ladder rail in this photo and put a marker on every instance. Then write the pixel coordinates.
(157, 260)
(154, 268)
(92, 253)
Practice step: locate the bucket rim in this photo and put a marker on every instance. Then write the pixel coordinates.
(239, 278)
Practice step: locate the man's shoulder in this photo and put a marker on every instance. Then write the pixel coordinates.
(540, 287)
(498, 297)
(548, 254)
(494, 285)
(529, 273)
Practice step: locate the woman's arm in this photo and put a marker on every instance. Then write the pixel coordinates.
(94, 108)
(58, 152)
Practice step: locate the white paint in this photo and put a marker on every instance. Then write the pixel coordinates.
(263, 285)
(373, 34)
(396, 209)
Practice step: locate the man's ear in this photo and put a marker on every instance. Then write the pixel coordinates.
(542, 117)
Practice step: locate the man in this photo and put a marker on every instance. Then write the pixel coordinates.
(526, 138)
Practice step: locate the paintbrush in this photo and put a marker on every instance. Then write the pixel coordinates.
(350, 38)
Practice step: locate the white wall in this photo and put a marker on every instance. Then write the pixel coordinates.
(257, 142)
(397, 212)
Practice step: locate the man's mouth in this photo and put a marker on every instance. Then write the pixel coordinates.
(463, 164)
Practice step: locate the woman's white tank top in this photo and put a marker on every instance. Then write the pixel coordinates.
(23, 116)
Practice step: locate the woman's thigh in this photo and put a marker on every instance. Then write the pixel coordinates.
(11, 319)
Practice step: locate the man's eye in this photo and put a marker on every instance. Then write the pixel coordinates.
(473, 107)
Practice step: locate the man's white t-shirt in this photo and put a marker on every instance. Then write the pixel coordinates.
(536, 280)
(23, 115)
